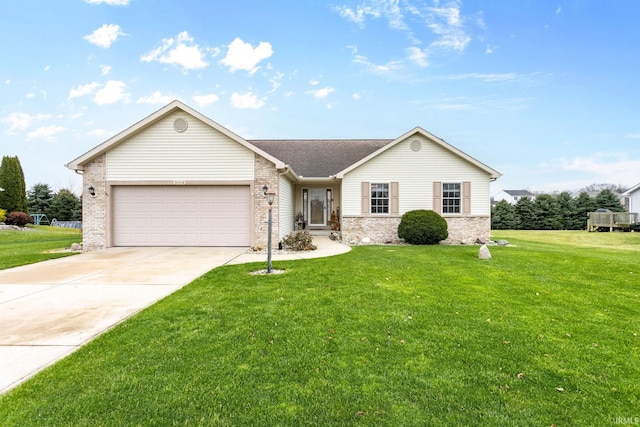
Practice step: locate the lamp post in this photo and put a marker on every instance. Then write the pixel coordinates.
(271, 194)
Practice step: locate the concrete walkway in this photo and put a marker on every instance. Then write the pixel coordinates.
(50, 309)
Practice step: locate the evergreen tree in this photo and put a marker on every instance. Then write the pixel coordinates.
(14, 196)
(65, 206)
(525, 214)
(39, 198)
(569, 212)
(547, 213)
(584, 205)
(503, 216)
(607, 199)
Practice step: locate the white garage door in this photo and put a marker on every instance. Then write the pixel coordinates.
(180, 215)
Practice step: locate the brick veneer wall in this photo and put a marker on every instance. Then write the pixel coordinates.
(377, 230)
(265, 173)
(94, 209)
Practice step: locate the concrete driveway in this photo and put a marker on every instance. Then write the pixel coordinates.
(49, 309)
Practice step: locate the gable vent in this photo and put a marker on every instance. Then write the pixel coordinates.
(415, 145)
(180, 125)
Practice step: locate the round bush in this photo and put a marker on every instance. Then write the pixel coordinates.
(422, 227)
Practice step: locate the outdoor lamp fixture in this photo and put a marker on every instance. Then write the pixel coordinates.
(264, 190)
(271, 195)
(92, 191)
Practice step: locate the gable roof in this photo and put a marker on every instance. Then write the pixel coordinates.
(78, 163)
(320, 158)
(419, 131)
(632, 190)
(306, 158)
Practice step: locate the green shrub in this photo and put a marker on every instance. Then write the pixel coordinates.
(299, 241)
(422, 227)
(3, 215)
(19, 218)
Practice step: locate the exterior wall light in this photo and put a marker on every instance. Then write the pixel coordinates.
(92, 191)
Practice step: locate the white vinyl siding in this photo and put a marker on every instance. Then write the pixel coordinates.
(285, 207)
(159, 153)
(415, 172)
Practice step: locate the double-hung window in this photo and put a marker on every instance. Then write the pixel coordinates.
(379, 198)
(451, 198)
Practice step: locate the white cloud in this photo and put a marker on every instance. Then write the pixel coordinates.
(321, 93)
(47, 68)
(83, 90)
(486, 77)
(46, 133)
(633, 135)
(181, 51)
(246, 100)
(21, 121)
(205, 100)
(377, 68)
(356, 96)
(616, 168)
(104, 36)
(359, 14)
(418, 56)
(314, 82)
(243, 56)
(109, 2)
(105, 69)
(114, 91)
(558, 10)
(156, 98)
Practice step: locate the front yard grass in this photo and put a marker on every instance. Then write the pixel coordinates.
(37, 243)
(541, 334)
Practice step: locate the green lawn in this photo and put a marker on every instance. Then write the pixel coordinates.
(542, 334)
(35, 244)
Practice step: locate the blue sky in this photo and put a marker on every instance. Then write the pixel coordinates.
(545, 92)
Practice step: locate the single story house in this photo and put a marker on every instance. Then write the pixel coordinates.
(177, 178)
(512, 196)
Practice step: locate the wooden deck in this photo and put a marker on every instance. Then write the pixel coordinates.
(611, 220)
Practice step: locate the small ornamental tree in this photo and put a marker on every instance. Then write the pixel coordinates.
(13, 198)
(423, 227)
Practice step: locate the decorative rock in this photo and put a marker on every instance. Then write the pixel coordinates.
(502, 243)
(480, 241)
(484, 252)
(76, 247)
(366, 240)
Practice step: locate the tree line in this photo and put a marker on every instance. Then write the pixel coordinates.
(552, 211)
(39, 199)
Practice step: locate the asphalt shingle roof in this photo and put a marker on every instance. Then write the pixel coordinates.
(320, 157)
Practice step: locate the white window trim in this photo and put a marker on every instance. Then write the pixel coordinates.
(460, 198)
(388, 184)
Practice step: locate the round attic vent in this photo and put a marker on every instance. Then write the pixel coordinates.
(180, 125)
(416, 145)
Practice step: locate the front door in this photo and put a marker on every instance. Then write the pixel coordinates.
(317, 207)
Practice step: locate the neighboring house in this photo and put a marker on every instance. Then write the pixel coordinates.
(512, 196)
(632, 199)
(177, 178)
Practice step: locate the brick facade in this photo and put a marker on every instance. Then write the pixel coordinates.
(378, 230)
(94, 208)
(265, 173)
